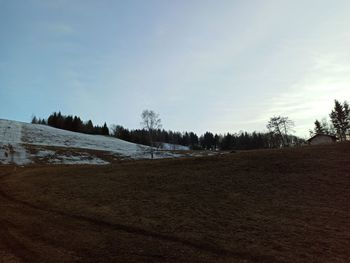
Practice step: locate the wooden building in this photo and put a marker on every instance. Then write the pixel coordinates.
(322, 139)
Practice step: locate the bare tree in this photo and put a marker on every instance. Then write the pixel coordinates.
(281, 126)
(151, 122)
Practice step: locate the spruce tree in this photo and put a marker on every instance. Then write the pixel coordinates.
(340, 119)
(105, 130)
(34, 120)
(318, 128)
(89, 127)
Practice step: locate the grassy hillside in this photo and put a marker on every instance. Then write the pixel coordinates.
(288, 205)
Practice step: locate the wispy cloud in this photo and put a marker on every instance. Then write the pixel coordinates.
(223, 66)
(59, 28)
(312, 97)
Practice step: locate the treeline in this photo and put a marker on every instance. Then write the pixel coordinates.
(339, 123)
(208, 141)
(247, 141)
(142, 136)
(72, 123)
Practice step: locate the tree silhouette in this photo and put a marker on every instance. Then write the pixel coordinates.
(151, 122)
(281, 126)
(340, 117)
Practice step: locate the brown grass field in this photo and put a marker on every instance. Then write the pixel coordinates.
(290, 205)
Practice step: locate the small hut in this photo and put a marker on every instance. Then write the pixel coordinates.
(322, 139)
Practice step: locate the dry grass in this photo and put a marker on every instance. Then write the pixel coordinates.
(287, 205)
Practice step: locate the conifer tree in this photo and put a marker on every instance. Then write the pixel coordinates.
(89, 127)
(340, 117)
(105, 130)
(34, 120)
(318, 128)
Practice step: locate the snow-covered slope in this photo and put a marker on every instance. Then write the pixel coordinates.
(16, 137)
(175, 147)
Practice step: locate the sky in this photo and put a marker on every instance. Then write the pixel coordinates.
(203, 65)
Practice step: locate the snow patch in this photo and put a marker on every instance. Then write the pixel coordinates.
(11, 149)
(79, 160)
(174, 147)
(68, 158)
(45, 153)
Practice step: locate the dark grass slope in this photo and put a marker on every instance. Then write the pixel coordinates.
(290, 205)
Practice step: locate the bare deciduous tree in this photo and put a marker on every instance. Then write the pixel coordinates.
(151, 122)
(281, 126)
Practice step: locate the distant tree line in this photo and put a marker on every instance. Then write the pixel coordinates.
(71, 123)
(278, 135)
(339, 123)
(245, 141)
(142, 136)
(208, 141)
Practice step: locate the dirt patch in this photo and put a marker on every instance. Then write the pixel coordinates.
(288, 205)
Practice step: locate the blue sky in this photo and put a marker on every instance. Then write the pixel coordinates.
(222, 66)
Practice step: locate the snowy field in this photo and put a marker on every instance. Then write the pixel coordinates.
(15, 136)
